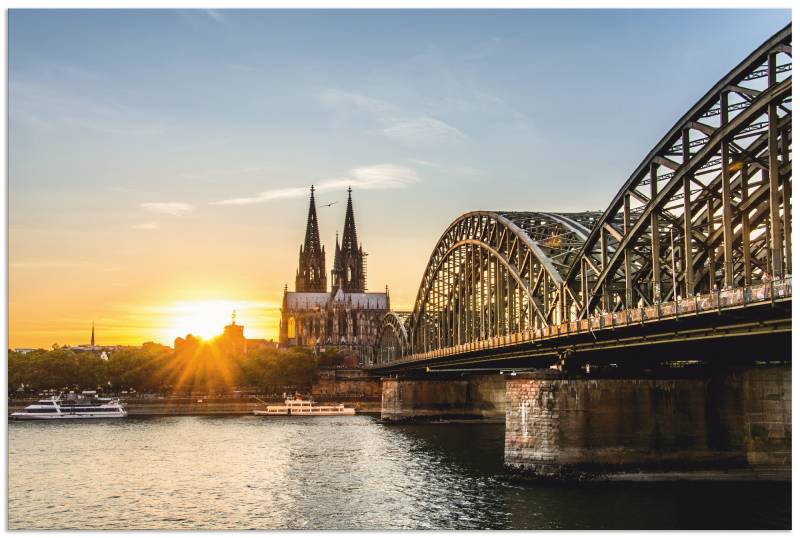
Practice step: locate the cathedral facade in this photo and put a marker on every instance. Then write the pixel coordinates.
(346, 316)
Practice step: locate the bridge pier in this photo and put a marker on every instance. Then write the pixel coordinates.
(472, 397)
(568, 425)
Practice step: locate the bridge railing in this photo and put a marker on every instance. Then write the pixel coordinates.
(771, 290)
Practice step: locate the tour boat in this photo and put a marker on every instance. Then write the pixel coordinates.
(64, 408)
(305, 408)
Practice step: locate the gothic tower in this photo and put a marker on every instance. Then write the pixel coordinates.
(311, 268)
(348, 266)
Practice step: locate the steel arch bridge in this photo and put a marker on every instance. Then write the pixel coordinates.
(703, 223)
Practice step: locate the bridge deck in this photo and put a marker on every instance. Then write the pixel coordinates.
(548, 339)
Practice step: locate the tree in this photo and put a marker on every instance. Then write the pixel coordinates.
(195, 366)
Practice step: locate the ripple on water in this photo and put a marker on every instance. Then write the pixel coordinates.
(327, 473)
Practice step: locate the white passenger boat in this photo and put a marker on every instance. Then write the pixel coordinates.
(67, 408)
(304, 408)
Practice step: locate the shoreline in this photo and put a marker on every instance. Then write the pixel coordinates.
(191, 407)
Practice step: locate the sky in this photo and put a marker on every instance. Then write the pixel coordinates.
(160, 160)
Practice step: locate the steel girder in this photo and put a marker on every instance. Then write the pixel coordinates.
(708, 208)
(393, 341)
(710, 205)
(493, 274)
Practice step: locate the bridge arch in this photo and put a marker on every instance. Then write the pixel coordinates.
(709, 204)
(708, 208)
(495, 273)
(393, 342)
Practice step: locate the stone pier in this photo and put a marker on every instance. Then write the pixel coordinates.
(469, 397)
(577, 426)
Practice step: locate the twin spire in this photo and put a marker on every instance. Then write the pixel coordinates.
(311, 268)
(312, 244)
(349, 261)
(348, 273)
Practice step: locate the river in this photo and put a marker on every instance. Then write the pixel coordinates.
(251, 472)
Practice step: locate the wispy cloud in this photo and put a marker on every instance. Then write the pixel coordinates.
(201, 18)
(340, 100)
(449, 85)
(423, 128)
(485, 48)
(55, 97)
(374, 177)
(423, 162)
(394, 122)
(167, 208)
(215, 15)
(455, 169)
(146, 226)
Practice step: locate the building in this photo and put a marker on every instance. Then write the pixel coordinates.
(103, 351)
(231, 342)
(346, 316)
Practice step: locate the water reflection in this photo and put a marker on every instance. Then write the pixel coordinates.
(329, 473)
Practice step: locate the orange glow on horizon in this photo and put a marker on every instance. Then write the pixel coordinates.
(200, 318)
(131, 324)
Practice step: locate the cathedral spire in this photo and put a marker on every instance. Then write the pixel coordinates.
(348, 272)
(311, 243)
(311, 267)
(349, 236)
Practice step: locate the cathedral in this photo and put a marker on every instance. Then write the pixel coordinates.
(346, 316)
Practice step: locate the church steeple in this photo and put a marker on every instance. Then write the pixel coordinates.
(349, 237)
(311, 267)
(348, 271)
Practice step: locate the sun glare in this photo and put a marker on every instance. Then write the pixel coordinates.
(200, 318)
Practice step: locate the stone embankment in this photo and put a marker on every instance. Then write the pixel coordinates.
(728, 424)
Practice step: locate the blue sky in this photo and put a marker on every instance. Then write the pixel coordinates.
(165, 154)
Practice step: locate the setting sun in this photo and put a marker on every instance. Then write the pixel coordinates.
(199, 318)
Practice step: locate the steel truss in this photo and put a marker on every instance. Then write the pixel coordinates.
(709, 208)
(490, 274)
(710, 205)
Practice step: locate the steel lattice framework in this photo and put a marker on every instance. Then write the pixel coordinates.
(394, 341)
(708, 208)
(710, 204)
(493, 274)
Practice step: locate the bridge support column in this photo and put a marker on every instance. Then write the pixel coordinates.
(561, 425)
(473, 397)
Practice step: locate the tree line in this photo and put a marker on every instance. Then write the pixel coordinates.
(200, 367)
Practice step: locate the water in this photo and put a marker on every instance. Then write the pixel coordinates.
(330, 473)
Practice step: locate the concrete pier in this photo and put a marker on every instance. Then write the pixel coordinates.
(576, 426)
(473, 397)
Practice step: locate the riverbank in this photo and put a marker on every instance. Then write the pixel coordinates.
(203, 407)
